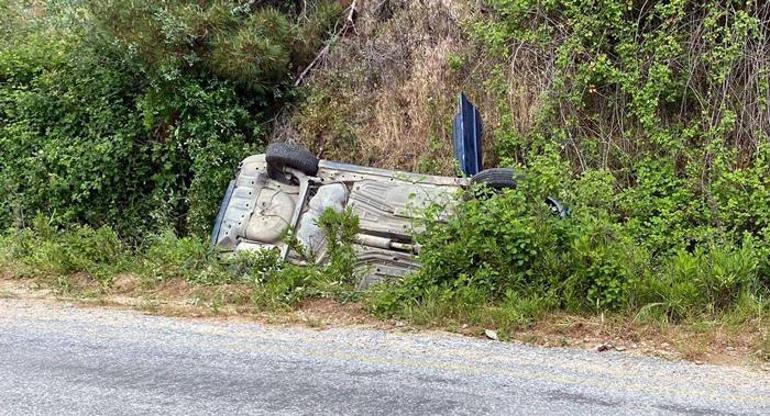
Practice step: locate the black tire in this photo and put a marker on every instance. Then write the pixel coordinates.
(280, 155)
(496, 178)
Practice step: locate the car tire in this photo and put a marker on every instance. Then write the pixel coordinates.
(496, 178)
(281, 155)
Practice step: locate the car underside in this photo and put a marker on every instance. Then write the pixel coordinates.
(261, 208)
(286, 190)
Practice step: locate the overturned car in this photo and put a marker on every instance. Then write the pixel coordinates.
(288, 188)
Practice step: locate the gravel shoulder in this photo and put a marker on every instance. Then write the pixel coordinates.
(59, 359)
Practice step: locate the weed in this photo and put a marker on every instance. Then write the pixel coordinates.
(455, 61)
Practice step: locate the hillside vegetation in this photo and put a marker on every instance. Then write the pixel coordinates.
(649, 119)
(134, 114)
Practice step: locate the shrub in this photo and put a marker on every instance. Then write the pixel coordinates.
(505, 257)
(66, 144)
(629, 81)
(46, 252)
(134, 114)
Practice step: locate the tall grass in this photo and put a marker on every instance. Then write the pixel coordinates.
(97, 260)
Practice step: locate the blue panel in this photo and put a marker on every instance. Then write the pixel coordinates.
(467, 131)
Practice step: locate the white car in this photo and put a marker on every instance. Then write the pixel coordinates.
(288, 188)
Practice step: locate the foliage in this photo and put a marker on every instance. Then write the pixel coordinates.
(133, 114)
(705, 282)
(503, 260)
(642, 79)
(58, 256)
(651, 122)
(669, 98)
(510, 247)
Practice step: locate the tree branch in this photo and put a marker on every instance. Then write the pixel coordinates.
(349, 23)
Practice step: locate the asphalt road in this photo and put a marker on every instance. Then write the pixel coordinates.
(57, 359)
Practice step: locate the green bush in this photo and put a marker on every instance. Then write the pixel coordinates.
(135, 114)
(504, 259)
(634, 80)
(66, 145)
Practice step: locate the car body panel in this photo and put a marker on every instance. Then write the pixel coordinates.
(258, 212)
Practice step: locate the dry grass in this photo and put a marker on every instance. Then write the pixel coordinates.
(386, 94)
(178, 298)
(706, 342)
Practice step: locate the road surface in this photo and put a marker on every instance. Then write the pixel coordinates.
(56, 359)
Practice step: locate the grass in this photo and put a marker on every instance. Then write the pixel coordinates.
(5, 293)
(182, 277)
(734, 335)
(91, 263)
(722, 342)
